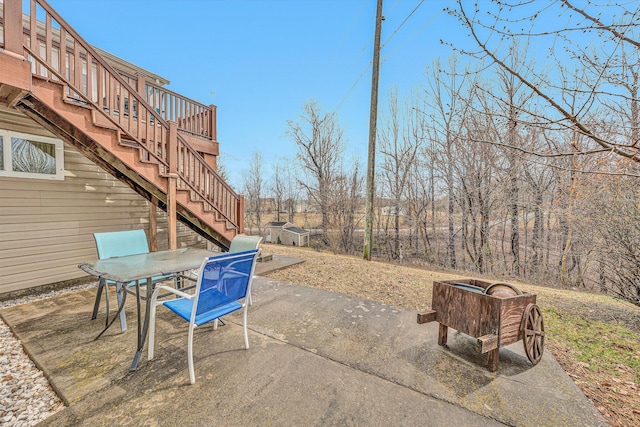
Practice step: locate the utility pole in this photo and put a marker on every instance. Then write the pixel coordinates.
(373, 119)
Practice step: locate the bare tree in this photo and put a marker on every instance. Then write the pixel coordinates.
(615, 232)
(399, 141)
(420, 199)
(320, 149)
(253, 189)
(221, 167)
(444, 96)
(476, 168)
(504, 100)
(345, 202)
(585, 79)
(278, 186)
(292, 193)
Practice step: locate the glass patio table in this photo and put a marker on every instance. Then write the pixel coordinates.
(142, 267)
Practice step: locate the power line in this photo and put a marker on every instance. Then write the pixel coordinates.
(421, 29)
(393, 53)
(348, 31)
(353, 86)
(403, 22)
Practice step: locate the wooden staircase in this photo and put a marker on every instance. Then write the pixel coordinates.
(146, 136)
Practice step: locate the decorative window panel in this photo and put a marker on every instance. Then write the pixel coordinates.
(31, 156)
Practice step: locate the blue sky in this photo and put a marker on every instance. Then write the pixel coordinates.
(259, 61)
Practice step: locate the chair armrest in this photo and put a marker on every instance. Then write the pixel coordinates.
(156, 291)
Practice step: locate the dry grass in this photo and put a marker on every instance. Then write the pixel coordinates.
(596, 339)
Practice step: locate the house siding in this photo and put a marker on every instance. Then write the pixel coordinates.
(47, 226)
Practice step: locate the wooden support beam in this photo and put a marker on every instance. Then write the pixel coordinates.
(16, 96)
(153, 225)
(171, 212)
(488, 343)
(172, 156)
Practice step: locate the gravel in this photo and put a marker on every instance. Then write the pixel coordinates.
(26, 397)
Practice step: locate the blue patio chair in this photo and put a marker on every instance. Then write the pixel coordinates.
(119, 243)
(224, 281)
(239, 243)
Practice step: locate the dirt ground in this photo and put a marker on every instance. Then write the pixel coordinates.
(617, 396)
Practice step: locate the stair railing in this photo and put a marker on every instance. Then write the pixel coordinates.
(56, 51)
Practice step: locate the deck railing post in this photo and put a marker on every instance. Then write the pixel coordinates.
(213, 126)
(172, 157)
(13, 37)
(240, 214)
(15, 70)
(141, 84)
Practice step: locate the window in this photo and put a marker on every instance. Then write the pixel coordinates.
(31, 156)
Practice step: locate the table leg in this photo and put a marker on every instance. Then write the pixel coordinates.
(143, 325)
(108, 322)
(96, 305)
(106, 305)
(120, 295)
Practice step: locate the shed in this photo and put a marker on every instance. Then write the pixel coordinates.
(286, 234)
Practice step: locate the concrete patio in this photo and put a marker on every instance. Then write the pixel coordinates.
(316, 358)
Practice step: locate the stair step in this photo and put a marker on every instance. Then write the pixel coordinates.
(100, 121)
(76, 102)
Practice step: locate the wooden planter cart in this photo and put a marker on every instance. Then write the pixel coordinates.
(492, 313)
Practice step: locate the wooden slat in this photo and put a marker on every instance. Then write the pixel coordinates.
(77, 66)
(48, 41)
(33, 26)
(100, 86)
(112, 105)
(90, 81)
(129, 111)
(511, 316)
(469, 312)
(62, 56)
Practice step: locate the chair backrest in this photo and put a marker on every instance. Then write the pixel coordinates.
(242, 243)
(224, 279)
(121, 243)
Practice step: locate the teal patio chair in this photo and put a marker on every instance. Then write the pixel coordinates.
(223, 283)
(114, 244)
(241, 243)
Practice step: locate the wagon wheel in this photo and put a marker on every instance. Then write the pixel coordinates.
(532, 328)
